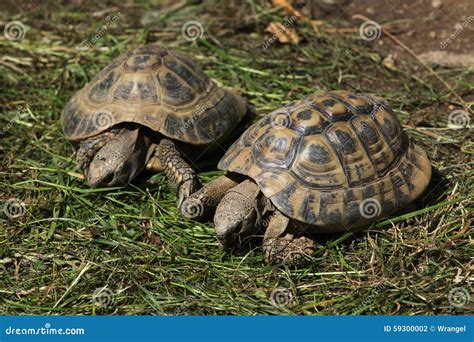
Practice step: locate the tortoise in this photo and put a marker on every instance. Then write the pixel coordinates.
(328, 163)
(139, 111)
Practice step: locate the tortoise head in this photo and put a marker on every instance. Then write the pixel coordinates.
(120, 159)
(236, 215)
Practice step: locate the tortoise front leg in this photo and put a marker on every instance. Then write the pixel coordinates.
(280, 244)
(238, 214)
(89, 147)
(203, 203)
(169, 159)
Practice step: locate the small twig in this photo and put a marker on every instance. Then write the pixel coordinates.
(427, 67)
(289, 8)
(11, 66)
(84, 270)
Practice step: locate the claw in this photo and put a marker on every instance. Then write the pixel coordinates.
(181, 198)
(186, 189)
(290, 252)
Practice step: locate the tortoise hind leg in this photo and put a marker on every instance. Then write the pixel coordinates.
(280, 244)
(169, 159)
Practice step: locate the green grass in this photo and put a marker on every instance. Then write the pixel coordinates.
(72, 240)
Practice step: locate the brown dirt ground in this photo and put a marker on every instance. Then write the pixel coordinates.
(422, 25)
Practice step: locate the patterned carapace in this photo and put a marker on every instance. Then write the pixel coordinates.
(319, 158)
(157, 88)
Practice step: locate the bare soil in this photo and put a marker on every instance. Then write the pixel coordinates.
(422, 25)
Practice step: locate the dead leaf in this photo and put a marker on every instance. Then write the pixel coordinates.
(390, 63)
(152, 236)
(283, 33)
(287, 7)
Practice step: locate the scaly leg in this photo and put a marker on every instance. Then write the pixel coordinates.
(180, 174)
(89, 147)
(203, 203)
(280, 244)
(237, 215)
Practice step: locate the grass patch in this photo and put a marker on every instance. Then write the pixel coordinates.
(128, 249)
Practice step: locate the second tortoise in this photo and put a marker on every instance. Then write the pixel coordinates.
(327, 163)
(144, 110)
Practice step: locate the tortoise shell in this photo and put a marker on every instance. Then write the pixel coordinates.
(336, 161)
(158, 88)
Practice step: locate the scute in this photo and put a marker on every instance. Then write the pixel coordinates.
(307, 120)
(100, 91)
(275, 150)
(174, 91)
(316, 166)
(339, 152)
(186, 75)
(160, 89)
(355, 162)
(122, 92)
(145, 61)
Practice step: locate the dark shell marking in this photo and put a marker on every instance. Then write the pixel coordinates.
(160, 89)
(337, 150)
